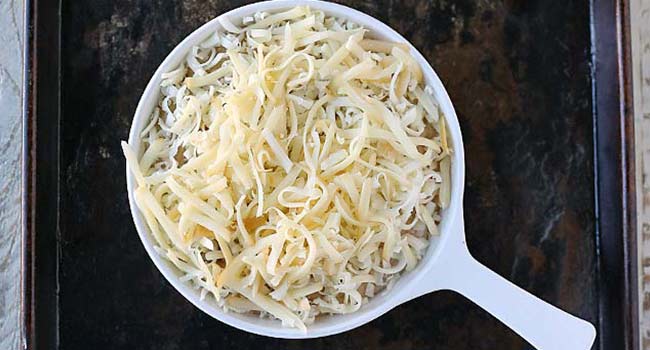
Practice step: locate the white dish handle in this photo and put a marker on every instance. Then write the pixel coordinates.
(543, 325)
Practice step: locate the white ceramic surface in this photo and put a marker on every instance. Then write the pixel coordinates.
(640, 43)
(447, 264)
(11, 171)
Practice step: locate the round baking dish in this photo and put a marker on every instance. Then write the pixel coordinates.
(447, 264)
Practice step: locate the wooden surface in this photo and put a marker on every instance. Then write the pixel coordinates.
(11, 70)
(640, 40)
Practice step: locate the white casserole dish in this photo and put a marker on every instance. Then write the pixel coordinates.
(447, 264)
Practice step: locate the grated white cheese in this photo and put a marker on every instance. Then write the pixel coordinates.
(294, 167)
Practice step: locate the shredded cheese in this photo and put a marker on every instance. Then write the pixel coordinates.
(294, 166)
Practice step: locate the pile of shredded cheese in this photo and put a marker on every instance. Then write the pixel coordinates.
(293, 167)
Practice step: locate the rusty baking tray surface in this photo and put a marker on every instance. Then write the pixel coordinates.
(541, 91)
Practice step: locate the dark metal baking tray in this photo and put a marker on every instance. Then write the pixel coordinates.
(543, 97)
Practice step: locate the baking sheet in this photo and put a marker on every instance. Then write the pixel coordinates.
(545, 201)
